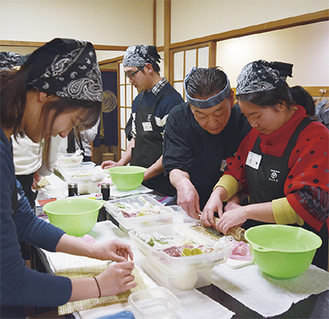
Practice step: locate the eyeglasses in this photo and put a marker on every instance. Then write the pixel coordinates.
(131, 75)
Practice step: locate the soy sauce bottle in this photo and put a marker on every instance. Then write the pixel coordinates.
(105, 190)
(73, 189)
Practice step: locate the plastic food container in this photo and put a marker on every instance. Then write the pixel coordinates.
(154, 303)
(176, 282)
(86, 176)
(56, 191)
(282, 251)
(144, 210)
(68, 160)
(177, 273)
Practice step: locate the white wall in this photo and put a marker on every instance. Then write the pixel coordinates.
(129, 22)
(160, 22)
(306, 47)
(199, 18)
(111, 22)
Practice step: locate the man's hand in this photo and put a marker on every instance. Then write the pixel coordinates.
(187, 195)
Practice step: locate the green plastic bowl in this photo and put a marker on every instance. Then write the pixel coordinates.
(127, 177)
(76, 216)
(282, 251)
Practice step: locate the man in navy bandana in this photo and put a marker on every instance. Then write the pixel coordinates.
(150, 110)
(200, 135)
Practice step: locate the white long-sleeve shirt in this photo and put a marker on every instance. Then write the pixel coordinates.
(28, 156)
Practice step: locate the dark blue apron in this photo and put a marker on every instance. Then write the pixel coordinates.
(267, 183)
(149, 145)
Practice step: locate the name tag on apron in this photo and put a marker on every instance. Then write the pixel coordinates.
(147, 126)
(253, 160)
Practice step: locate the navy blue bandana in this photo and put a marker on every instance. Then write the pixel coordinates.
(139, 55)
(66, 68)
(261, 76)
(210, 102)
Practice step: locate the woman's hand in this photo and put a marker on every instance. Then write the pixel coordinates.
(111, 250)
(114, 280)
(114, 250)
(214, 204)
(36, 180)
(231, 218)
(117, 279)
(109, 164)
(236, 217)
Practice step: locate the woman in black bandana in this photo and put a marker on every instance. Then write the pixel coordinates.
(282, 164)
(58, 87)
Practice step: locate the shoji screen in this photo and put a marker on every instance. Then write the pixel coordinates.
(126, 95)
(184, 60)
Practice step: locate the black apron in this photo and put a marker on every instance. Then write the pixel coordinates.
(267, 183)
(26, 183)
(207, 170)
(149, 145)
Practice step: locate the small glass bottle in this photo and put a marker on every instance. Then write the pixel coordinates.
(73, 189)
(105, 190)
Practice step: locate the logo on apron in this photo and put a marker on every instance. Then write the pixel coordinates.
(274, 176)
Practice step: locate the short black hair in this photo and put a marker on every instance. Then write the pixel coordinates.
(205, 82)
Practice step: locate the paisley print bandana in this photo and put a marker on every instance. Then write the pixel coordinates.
(8, 60)
(261, 76)
(66, 68)
(139, 55)
(11, 60)
(210, 102)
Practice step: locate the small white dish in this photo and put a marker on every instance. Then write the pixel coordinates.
(154, 303)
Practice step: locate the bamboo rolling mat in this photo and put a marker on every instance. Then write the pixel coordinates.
(86, 304)
(213, 234)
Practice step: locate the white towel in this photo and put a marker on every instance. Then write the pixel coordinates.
(196, 305)
(264, 294)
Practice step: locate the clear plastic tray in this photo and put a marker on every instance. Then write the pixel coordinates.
(177, 235)
(68, 160)
(154, 303)
(178, 282)
(150, 212)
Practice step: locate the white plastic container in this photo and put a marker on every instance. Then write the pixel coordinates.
(86, 176)
(176, 282)
(177, 273)
(154, 303)
(142, 205)
(68, 160)
(180, 234)
(56, 191)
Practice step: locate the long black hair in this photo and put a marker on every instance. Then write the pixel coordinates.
(13, 90)
(295, 95)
